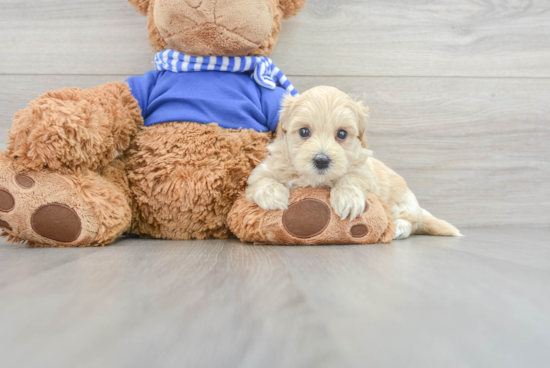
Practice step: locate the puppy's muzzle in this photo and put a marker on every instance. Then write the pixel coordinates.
(321, 162)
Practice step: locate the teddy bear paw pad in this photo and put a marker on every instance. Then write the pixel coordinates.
(57, 222)
(306, 218)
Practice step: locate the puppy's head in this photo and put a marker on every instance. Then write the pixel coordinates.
(323, 130)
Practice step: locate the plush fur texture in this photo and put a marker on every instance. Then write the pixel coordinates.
(253, 224)
(87, 150)
(186, 176)
(310, 129)
(73, 129)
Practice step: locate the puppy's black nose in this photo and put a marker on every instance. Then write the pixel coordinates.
(321, 162)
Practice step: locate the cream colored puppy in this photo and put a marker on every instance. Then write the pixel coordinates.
(321, 141)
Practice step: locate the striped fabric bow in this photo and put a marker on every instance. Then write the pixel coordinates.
(264, 73)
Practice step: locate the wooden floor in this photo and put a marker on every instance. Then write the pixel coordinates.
(479, 301)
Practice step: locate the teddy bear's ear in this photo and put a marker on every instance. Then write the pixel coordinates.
(141, 5)
(284, 119)
(291, 7)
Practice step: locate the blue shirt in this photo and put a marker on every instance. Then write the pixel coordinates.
(232, 100)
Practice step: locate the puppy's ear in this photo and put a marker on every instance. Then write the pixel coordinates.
(291, 7)
(284, 116)
(141, 5)
(362, 113)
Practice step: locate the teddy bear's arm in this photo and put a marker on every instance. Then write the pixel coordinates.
(75, 128)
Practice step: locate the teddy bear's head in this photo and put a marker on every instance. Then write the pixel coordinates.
(216, 27)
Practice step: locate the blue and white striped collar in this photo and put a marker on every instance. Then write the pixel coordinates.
(263, 71)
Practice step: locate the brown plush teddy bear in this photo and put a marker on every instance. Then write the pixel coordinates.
(166, 154)
(85, 166)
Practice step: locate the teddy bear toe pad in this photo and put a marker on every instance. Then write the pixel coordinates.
(24, 181)
(7, 202)
(359, 230)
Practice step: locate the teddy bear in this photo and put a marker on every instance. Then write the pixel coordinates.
(163, 155)
(157, 156)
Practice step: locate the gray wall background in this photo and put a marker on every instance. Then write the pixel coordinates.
(459, 89)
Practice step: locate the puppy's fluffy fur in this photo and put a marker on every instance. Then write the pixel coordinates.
(298, 159)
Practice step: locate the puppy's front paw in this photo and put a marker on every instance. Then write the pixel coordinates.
(347, 201)
(272, 196)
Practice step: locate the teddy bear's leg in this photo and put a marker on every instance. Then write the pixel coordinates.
(46, 208)
(60, 184)
(73, 128)
(186, 176)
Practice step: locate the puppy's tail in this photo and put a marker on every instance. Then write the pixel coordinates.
(434, 226)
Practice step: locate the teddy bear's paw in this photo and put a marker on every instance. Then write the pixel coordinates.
(310, 219)
(44, 209)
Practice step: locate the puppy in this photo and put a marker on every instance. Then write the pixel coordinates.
(321, 141)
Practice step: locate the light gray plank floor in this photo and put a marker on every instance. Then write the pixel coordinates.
(479, 301)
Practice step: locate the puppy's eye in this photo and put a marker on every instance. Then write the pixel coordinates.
(304, 132)
(342, 134)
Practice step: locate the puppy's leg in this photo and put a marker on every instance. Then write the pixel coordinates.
(406, 213)
(347, 198)
(269, 195)
(405, 210)
(410, 218)
(267, 192)
(403, 229)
